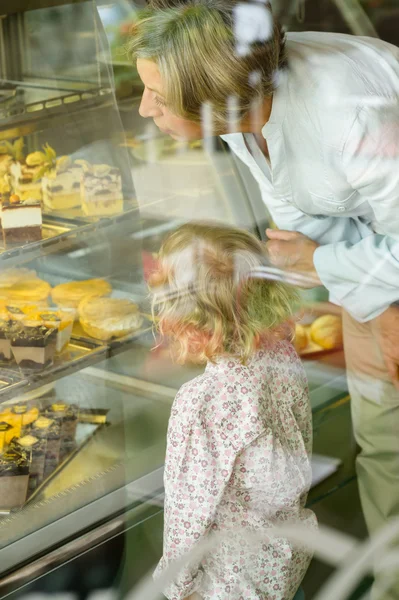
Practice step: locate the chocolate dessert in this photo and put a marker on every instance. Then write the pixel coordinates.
(33, 345)
(21, 221)
(35, 449)
(14, 476)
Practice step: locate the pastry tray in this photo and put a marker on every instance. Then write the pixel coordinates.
(78, 355)
(116, 345)
(84, 433)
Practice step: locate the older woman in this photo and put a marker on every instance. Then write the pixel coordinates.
(316, 119)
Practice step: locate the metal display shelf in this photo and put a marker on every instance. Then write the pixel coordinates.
(63, 233)
(24, 119)
(81, 353)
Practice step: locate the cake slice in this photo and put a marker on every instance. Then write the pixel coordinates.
(101, 188)
(33, 345)
(21, 221)
(61, 185)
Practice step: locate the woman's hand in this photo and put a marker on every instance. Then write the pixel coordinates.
(388, 333)
(293, 251)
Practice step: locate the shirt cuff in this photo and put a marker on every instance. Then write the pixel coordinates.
(185, 584)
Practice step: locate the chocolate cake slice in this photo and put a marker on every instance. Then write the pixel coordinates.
(21, 221)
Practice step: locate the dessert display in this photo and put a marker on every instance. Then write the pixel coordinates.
(14, 476)
(21, 220)
(108, 318)
(60, 320)
(101, 191)
(327, 332)
(69, 295)
(35, 443)
(61, 185)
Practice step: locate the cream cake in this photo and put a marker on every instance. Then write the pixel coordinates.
(21, 221)
(61, 186)
(101, 190)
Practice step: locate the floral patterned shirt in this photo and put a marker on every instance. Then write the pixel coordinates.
(238, 459)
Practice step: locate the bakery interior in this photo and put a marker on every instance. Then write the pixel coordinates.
(84, 396)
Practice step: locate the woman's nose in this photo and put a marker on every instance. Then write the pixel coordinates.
(148, 108)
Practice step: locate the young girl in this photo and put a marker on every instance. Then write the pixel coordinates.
(240, 435)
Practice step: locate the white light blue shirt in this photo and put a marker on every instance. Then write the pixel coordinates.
(333, 140)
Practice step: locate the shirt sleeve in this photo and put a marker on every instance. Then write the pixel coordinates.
(364, 276)
(211, 447)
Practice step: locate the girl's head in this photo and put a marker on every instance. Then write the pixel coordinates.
(210, 296)
(192, 52)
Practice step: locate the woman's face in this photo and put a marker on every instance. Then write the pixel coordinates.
(153, 105)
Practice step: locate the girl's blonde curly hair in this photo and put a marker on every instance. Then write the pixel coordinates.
(210, 297)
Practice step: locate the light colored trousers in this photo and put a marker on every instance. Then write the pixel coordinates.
(375, 415)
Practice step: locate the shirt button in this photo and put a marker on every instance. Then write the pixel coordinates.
(341, 208)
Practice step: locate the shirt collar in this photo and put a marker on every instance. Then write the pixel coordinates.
(279, 105)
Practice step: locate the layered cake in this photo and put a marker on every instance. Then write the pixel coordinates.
(33, 344)
(61, 320)
(101, 191)
(26, 176)
(61, 185)
(36, 449)
(21, 221)
(14, 476)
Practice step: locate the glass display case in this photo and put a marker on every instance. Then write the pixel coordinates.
(69, 124)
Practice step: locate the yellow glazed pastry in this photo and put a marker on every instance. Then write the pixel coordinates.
(107, 318)
(26, 291)
(70, 294)
(327, 332)
(301, 338)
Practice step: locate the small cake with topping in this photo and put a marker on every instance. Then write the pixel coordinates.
(21, 220)
(107, 318)
(101, 191)
(62, 320)
(33, 344)
(61, 185)
(14, 475)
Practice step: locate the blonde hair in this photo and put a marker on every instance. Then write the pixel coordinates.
(194, 47)
(208, 299)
